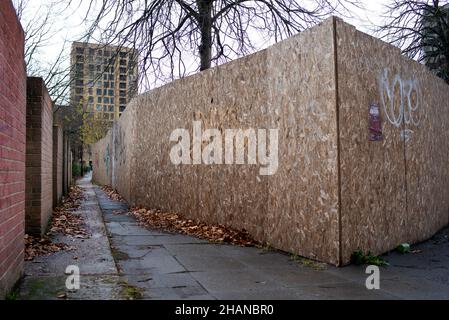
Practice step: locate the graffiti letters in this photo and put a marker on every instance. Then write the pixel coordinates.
(120, 146)
(401, 100)
(106, 159)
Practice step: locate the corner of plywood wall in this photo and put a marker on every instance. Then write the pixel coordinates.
(393, 190)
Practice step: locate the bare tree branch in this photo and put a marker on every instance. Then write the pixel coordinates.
(421, 29)
(171, 36)
(38, 23)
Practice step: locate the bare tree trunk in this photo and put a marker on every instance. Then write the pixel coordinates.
(205, 24)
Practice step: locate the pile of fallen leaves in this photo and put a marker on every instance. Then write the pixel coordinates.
(64, 222)
(174, 222)
(40, 246)
(112, 193)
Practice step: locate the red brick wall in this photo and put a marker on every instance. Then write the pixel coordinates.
(12, 147)
(39, 157)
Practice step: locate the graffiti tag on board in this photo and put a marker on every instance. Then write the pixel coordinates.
(106, 159)
(401, 100)
(120, 145)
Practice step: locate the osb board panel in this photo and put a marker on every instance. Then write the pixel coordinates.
(232, 195)
(303, 195)
(101, 155)
(427, 147)
(378, 202)
(373, 206)
(288, 86)
(238, 91)
(122, 152)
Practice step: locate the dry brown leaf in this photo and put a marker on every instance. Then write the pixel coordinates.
(64, 222)
(175, 222)
(112, 193)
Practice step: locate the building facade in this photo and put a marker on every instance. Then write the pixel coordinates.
(103, 78)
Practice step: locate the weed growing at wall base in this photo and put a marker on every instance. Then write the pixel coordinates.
(207, 147)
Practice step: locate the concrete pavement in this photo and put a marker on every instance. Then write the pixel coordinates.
(45, 276)
(135, 263)
(173, 266)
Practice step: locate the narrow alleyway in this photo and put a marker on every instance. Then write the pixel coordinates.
(122, 260)
(45, 276)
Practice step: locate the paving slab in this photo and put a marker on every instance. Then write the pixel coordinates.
(127, 228)
(172, 280)
(245, 279)
(176, 293)
(151, 264)
(154, 239)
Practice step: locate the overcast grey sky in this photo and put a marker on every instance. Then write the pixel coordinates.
(68, 24)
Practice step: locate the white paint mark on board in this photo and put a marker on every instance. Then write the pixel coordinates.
(401, 100)
(406, 134)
